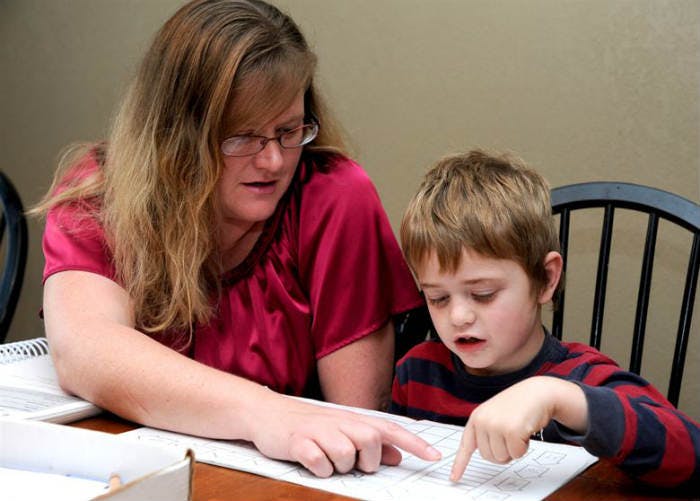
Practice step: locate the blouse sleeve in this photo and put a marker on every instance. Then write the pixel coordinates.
(73, 240)
(349, 258)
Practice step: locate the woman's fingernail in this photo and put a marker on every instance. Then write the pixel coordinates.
(434, 453)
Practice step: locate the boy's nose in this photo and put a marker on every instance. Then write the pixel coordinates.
(462, 314)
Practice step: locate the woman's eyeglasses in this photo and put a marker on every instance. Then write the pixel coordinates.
(247, 145)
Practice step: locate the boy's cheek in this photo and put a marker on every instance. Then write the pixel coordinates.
(439, 319)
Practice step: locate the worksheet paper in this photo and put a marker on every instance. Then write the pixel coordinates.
(544, 468)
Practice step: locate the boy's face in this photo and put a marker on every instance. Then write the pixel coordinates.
(485, 312)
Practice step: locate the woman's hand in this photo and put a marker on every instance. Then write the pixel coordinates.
(325, 439)
(100, 357)
(502, 426)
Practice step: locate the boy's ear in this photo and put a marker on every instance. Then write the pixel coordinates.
(553, 264)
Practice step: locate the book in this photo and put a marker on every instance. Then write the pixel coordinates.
(29, 386)
(40, 461)
(542, 470)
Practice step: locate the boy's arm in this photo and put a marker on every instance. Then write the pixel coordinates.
(632, 423)
(626, 420)
(502, 426)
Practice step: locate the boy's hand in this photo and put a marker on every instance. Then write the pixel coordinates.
(502, 426)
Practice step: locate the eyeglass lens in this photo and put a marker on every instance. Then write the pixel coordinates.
(239, 146)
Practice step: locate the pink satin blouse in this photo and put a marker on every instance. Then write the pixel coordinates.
(326, 271)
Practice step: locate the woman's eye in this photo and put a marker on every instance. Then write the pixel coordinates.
(285, 130)
(240, 140)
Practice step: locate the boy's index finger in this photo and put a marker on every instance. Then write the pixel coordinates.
(397, 435)
(467, 446)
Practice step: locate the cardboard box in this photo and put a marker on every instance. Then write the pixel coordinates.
(57, 452)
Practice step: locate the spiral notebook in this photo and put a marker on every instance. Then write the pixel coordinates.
(29, 386)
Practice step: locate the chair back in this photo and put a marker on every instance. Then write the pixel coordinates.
(658, 205)
(412, 328)
(13, 238)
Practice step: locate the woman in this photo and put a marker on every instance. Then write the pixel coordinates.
(220, 250)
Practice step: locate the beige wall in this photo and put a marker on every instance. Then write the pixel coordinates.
(583, 90)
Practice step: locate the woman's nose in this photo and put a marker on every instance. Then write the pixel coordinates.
(271, 157)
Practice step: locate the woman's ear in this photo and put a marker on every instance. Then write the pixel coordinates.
(553, 264)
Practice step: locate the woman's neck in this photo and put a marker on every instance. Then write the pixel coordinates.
(236, 241)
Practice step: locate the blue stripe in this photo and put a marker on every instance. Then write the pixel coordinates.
(437, 375)
(649, 446)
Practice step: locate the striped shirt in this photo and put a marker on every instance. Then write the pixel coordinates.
(630, 422)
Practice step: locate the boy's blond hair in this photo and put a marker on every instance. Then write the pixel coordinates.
(492, 204)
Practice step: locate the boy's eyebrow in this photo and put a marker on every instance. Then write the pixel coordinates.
(428, 284)
(463, 282)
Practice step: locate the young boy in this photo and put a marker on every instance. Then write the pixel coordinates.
(480, 237)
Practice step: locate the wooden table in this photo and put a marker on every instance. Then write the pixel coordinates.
(601, 482)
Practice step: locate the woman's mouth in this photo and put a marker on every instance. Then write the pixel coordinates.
(261, 187)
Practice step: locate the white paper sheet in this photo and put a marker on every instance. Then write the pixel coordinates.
(543, 469)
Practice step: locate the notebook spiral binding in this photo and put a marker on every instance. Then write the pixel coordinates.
(21, 350)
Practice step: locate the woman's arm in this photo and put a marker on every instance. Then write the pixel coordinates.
(359, 374)
(101, 357)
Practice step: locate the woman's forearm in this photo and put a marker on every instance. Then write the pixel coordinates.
(102, 358)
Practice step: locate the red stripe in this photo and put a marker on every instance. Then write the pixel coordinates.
(635, 391)
(678, 461)
(630, 435)
(397, 393)
(433, 399)
(579, 354)
(428, 351)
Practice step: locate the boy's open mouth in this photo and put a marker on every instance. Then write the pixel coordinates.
(468, 340)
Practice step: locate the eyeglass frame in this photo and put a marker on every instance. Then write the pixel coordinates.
(263, 140)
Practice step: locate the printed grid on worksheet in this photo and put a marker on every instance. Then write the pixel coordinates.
(412, 479)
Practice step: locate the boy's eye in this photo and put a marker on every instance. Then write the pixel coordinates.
(437, 301)
(483, 297)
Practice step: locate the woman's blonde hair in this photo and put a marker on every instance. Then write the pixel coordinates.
(212, 62)
(491, 204)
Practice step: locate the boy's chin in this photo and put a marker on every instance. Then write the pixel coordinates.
(480, 371)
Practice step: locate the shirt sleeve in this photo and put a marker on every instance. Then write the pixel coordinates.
(349, 258)
(74, 240)
(630, 422)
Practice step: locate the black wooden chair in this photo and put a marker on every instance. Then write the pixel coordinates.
(658, 205)
(411, 328)
(13, 238)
